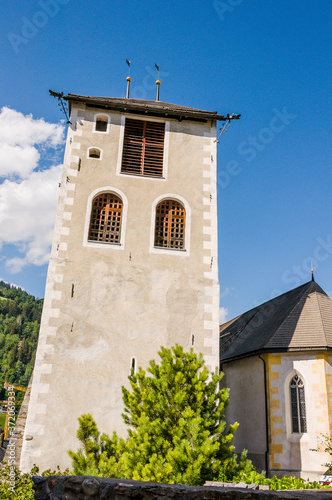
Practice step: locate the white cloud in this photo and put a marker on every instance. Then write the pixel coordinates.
(222, 315)
(17, 129)
(27, 214)
(17, 160)
(28, 197)
(20, 136)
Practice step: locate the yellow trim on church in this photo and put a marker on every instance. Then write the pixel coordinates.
(323, 390)
(273, 363)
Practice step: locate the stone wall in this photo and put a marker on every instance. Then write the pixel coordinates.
(86, 488)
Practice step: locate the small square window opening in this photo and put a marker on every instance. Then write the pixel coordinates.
(101, 125)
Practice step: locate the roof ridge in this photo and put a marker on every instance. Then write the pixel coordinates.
(232, 336)
(302, 293)
(321, 317)
(271, 300)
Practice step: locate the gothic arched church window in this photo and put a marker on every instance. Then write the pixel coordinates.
(105, 220)
(299, 423)
(170, 225)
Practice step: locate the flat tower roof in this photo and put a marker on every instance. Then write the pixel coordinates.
(138, 106)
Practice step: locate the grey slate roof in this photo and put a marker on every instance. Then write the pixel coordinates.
(156, 108)
(297, 320)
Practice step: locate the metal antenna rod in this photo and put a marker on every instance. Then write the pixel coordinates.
(158, 82)
(128, 80)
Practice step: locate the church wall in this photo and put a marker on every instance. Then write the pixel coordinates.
(105, 305)
(327, 360)
(245, 379)
(291, 453)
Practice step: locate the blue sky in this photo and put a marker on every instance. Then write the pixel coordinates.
(268, 60)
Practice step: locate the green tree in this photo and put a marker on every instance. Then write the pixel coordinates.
(177, 428)
(13, 309)
(19, 324)
(14, 485)
(99, 455)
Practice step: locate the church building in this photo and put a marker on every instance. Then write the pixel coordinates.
(277, 360)
(134, 263)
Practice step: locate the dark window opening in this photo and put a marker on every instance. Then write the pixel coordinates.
(105, 221)
(299, 423)
(170, 225)
(143, 148)
(101, 124)
(94, 153)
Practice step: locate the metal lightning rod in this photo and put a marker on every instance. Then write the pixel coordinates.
(158, 82)
(128, 80)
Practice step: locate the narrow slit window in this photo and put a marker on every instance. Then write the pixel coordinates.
(299, 422)
(143, 148)
(101, 124)
(170, 225)
(106, 218)
(133, 366)
(94, 153)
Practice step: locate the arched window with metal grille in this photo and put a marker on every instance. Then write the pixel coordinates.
(105, 220)
(170, 225)
(299, 422)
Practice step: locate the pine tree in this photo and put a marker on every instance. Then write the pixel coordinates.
(177, 428)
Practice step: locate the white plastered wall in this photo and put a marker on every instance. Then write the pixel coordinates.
(245, 379)
(103, 308)
(35, 425)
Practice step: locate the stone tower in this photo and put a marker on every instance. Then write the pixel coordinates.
(134, 263)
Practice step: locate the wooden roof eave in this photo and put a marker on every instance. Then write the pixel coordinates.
(274, 350)
(179, 114)
(150, 112)
(131, 108)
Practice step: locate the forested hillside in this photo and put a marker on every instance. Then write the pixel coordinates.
(19, 326)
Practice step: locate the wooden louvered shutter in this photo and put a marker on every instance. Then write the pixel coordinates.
(154, 149)
(143, 148)
(170, 225)
(105, 222)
